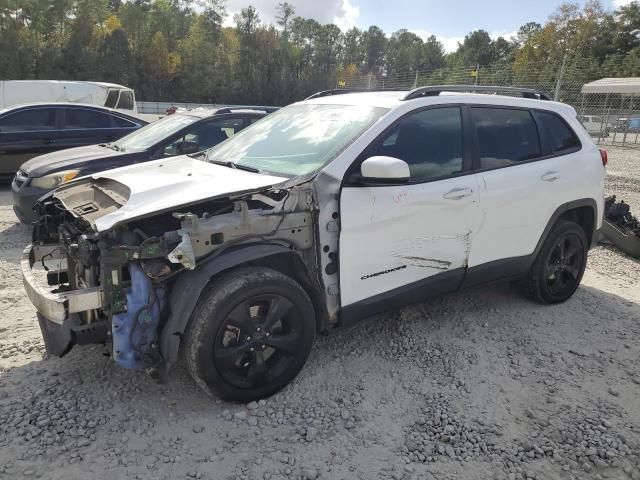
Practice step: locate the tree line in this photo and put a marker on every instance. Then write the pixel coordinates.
(180, 50)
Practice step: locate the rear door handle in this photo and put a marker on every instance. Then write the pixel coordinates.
(458, 194)
(550, 177)
(48, 141)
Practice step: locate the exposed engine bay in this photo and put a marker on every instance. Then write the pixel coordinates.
(135, 264)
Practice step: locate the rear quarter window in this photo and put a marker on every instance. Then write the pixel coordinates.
(123, 123)
(556, 133)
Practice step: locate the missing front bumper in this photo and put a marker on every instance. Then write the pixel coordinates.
(55, 306)
(59, 312)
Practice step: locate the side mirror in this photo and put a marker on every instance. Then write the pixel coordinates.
(185, 148)
(385, 170)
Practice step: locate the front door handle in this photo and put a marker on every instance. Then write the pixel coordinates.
(458, 194)
(48, 141)
(550, 177)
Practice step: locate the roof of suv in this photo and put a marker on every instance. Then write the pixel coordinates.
(394, 98)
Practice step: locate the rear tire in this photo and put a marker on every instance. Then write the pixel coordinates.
(250, 334)
(558, 268)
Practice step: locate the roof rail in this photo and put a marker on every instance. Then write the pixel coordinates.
(435, 90)
(237, 108)
(341, 91)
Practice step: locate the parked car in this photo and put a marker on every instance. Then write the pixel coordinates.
(595, 125)
(627, 125)
(327, 211)
(31, 130)
(184, 133)
(110, 95)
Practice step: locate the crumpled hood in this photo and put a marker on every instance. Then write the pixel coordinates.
(163, 184)
(69, 158)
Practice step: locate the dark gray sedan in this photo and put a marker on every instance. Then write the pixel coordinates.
(179, 134)
(27, 131)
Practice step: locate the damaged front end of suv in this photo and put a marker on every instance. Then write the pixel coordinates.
(231, 259)
(121, 266)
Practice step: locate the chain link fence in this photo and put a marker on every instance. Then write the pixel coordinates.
(611, 119)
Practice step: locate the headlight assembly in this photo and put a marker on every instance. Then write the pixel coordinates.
(51, 181)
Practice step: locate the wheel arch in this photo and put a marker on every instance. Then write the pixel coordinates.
(583, 212)
(188, 287)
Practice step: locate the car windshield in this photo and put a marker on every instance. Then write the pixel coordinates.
(155, 132)
(298, 139)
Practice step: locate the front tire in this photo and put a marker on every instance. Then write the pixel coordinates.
(250, 334)
(557, 270)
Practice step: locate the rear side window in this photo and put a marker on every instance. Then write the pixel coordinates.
(430, 141)
(206, 135)
(81, 118)
(33, 119)
(112, 99)
(123, 123)
(505, 136)
(126, 100)
(557, 133)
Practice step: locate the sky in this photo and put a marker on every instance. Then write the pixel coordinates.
(449, 20)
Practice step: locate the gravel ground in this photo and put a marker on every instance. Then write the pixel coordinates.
(478, 385)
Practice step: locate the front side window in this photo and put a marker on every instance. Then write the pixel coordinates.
(505, 136)
(557, 133)
(429, 141)
(205, 135)
(33, 119)
(155, 132)
(298, 139)
(81, 119)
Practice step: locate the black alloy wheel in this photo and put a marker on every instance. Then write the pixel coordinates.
(557, 270)
(258, 341)
(250, 333)
(564, 266)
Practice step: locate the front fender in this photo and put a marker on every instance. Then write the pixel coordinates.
(187, 289)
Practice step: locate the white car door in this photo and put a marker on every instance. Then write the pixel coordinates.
(395, 238)
(524, 175)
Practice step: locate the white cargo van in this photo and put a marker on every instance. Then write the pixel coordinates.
(16, 92)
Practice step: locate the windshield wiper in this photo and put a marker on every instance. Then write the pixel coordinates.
(227, 163)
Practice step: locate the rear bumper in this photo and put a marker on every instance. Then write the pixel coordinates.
(55, 306)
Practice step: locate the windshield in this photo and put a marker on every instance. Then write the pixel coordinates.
(155, 132)
(298, 139)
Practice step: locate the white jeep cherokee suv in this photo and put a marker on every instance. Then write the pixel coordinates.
(327, 211)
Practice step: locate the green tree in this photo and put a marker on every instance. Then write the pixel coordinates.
(476, 49)
(285, 12)
(404, 53)
(115, 59)
(160, 66)
(374, 43)
(353, 52)
(433, 56)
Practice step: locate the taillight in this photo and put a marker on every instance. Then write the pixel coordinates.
(604, 157)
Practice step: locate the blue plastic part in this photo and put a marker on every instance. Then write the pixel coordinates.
(136, 330)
